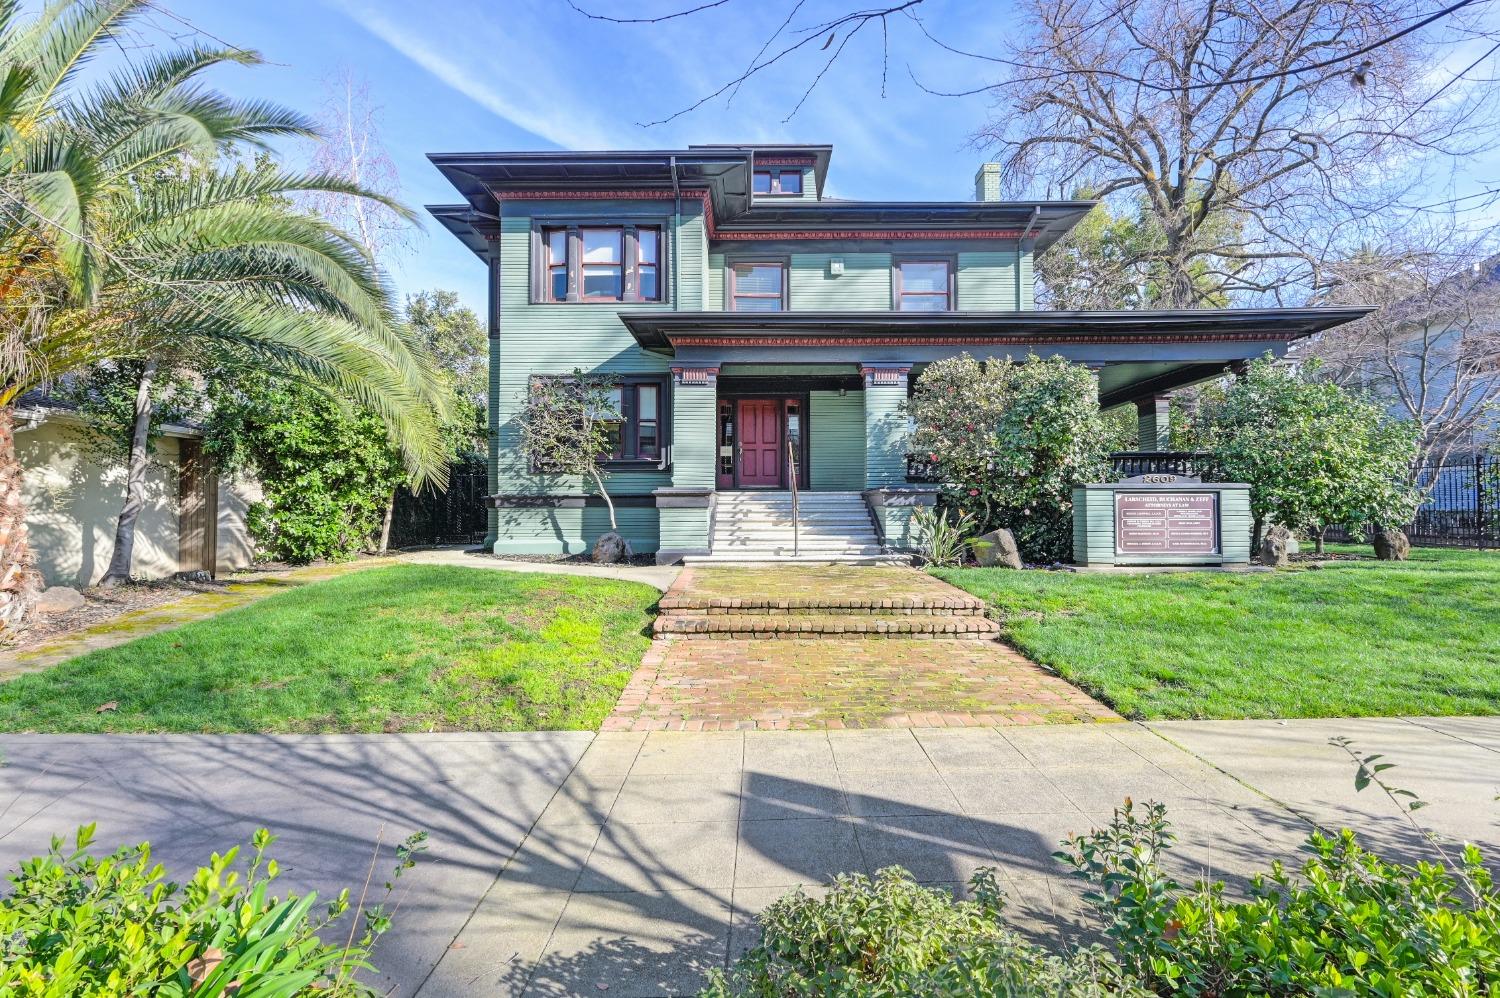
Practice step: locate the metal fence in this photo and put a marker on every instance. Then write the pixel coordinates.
(455, 516)
(1462, 509)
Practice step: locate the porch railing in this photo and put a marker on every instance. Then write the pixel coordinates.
(791, 468)
(1193, 464)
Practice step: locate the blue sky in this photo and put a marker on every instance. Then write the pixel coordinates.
(464, 75)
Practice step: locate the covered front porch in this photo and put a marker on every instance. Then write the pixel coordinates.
(763, 402)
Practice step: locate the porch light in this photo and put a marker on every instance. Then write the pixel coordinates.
(836, 267)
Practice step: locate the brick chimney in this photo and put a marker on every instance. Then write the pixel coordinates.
(987, 182)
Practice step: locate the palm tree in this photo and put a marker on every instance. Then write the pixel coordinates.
(116, 242)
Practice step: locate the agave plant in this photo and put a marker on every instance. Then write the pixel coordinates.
(123, 236)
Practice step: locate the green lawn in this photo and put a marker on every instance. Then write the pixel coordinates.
(402, 648)
(1357, 639)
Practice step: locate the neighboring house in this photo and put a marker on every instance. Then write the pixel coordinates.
(757, 329)
(193, 521)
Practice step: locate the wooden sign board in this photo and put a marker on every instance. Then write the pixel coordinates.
(1174, 523)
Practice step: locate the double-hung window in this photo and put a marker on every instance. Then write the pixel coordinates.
(757, 286)
(634, 420)
(600, 263)
(923, 285)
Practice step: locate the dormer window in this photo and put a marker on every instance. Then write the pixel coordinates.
(777, 181)
(599, 263)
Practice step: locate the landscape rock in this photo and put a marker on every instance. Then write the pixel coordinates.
(1391, 544)
(1293, 546)
(1273, 550)
(611, 549)
(997, 549)
(58, 599)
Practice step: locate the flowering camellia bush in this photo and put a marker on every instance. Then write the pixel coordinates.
(1010, 441)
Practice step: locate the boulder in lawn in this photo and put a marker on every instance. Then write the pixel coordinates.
(1273, 550)
(997, 549)
(1285, 533)
(611, 548)
(1391, 544)
(58, 599)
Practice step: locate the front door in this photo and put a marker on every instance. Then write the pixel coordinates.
(759, 453)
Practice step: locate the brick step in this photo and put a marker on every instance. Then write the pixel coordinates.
(754, 560)
(689, 604)
(823, 625)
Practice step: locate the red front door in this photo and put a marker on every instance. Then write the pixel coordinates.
(760, 444)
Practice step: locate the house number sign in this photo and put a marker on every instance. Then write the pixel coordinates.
(1166, 523)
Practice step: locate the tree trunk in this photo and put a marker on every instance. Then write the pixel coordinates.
(1256, 527)
(135, 483)
(385, 524)
(599, 484)
(1318, 539)
(19, 581)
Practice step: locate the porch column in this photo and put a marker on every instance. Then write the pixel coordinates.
(684, 508)
(492, 515)
(885, 423)
(1153, 420)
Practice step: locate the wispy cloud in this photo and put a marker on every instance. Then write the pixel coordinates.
(536, 109)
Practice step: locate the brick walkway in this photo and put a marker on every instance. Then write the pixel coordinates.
(704, 674)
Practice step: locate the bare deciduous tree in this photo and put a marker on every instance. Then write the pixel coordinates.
(350, 148)
(1242, 126)
(1255, 134)
(1432, 348)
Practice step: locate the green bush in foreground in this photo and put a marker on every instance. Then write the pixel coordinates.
(76, 925)
(1349, 924)
(891, 936)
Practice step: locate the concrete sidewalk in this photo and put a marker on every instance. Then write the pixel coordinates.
(563, 863)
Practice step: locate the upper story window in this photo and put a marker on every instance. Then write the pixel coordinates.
(923, 285)
(757, 286)
(777, 181)
(600, 263)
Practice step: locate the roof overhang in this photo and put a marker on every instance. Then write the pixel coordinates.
(1137, 354)
(665, 332)
(722, 177)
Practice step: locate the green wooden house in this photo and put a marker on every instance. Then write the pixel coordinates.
(764, 339)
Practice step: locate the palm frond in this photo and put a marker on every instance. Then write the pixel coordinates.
(61, 41)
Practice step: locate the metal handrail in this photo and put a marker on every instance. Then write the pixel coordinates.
(791, 464)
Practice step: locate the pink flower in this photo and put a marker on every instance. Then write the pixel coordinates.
(973, 492)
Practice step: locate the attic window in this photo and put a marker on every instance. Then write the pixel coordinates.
(778, 181)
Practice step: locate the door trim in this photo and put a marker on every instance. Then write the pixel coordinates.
(804, 449)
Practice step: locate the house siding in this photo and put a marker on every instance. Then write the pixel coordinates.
(865, 285)
(836, 441)
(540, 339)
(987, 281)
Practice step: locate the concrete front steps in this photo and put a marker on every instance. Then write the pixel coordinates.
(686, 614)
(757, 528)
